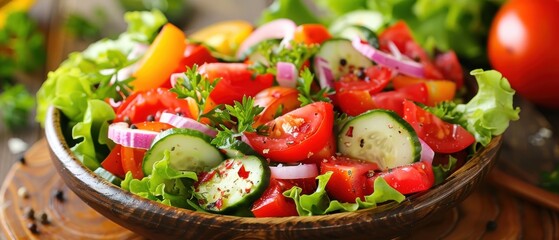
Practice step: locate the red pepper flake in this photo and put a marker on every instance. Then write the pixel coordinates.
(349, 132)
(243, 173)
(229, 164)
(219, 203)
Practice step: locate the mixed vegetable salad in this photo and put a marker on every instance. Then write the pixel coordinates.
(281, 120)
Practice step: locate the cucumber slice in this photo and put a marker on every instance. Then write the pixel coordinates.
(101, 172)
(341, 58)
(234, 184)
(382, 137)
(190, 151)
(239, 149)
(370, 19)
(362, 32)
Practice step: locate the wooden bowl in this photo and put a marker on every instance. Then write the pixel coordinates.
(155, 220)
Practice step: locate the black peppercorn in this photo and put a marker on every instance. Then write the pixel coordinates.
(33, 228)
(59, 195)
(491, 226)
(150, 118)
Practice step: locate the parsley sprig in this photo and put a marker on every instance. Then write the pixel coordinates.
(198, 87)
(231, 121)
(242, 115)
(306, 95)
(297, 54)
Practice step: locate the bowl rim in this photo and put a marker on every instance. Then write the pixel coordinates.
(68, 165)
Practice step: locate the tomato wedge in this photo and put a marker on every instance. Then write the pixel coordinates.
(194, 54)
(407, 179)
(113, 162)
(236, 81)
(394, 100)
(276, 101)
(296, 135)
(272, 203)
(348, 180)
(161, 59)
(311, 33)
(438, 90)
(132, 158)
(142, 104)
(441, 136)
(353, 93)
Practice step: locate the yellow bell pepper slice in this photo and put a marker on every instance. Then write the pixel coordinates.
(224, 37)
(161, 59)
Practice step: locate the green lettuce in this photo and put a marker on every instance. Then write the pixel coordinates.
(318, 203)
(87, 76)
(93, 133)
(489, 112)
(165, 185)
(460, 25)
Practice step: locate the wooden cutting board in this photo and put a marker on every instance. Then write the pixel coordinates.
(489, 213)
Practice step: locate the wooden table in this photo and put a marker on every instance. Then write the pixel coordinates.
(491, 212)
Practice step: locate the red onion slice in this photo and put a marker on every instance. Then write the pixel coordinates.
(406, 67)
(277, 29)
(427, 153)
(286, 74)
(121, 134)
(294, 172)
(184, 122)
(324, 73)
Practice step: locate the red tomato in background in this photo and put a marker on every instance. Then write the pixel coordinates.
(407, 179)
(138, 106)
(522, 45)
(441, 136)
(348, 178)
(296, 135)
(236, 81)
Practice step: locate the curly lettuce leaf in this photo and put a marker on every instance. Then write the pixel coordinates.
(489, 112)
(80, 77)
(165, 185)
(92, 132)
(318, 203)
(442, 171)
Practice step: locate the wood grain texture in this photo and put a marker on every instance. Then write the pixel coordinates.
(488, 213)
(154, 220)
(68, 219)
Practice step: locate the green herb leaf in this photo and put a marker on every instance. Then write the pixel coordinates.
(242, 114)
(22, 45)
(318, 203)
(306, 96)
(443, 171)
(194, 85)
(16, 104)
(271, 54)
